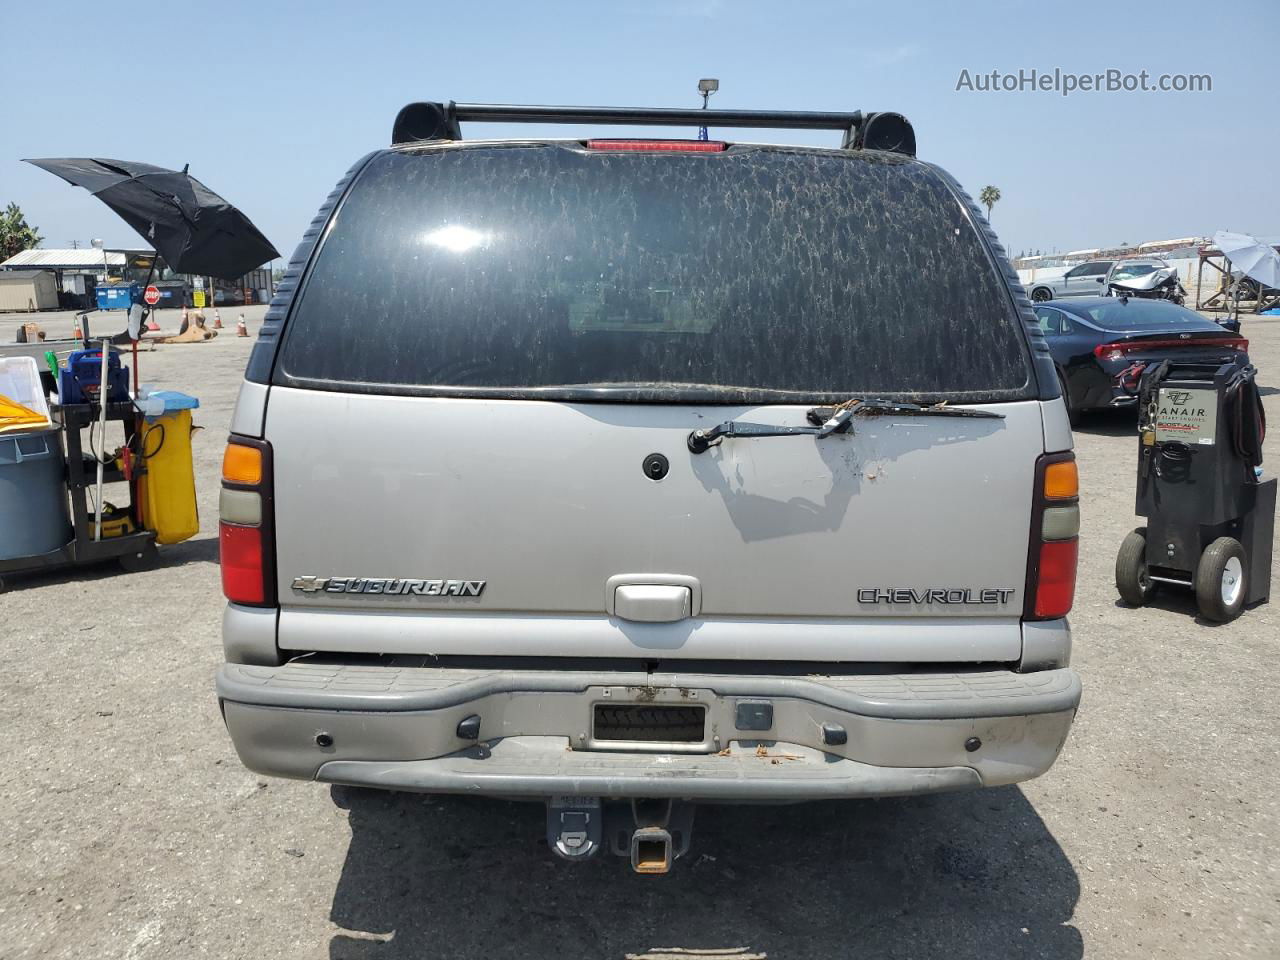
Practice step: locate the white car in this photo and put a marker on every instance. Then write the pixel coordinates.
(1083, 280)
(1151, 279)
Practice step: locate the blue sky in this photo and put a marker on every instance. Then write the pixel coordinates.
(271, 102)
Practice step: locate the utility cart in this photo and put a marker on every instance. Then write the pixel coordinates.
(1210, 513)
(123, 537)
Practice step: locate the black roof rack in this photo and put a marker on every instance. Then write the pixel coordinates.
(426, 121)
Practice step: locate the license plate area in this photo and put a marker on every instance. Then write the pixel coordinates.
(649, 722)
(653, 719)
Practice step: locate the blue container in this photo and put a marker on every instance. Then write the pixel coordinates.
(118, 297)
(79, 378)
(33, 495)
(159, 402)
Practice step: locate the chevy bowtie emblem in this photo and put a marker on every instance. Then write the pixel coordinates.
(390, 587)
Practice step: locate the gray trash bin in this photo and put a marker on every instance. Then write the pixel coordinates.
(33, 494)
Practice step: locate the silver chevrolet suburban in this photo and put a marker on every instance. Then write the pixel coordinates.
(623, 474)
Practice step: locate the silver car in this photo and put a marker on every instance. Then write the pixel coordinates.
(618, 475)
(1086, 279)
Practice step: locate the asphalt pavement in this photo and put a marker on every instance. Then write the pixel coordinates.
(132, 831)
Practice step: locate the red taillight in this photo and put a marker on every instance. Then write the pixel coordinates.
(240, 550)
(669, 146)
(1056, 585)
(246, 530)
(1133, 346)
(1054, 547)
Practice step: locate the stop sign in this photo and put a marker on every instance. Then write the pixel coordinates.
(151, 295)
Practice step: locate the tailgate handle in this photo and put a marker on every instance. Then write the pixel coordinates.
(653, 602)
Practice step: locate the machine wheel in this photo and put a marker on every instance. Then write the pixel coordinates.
(1221, 580)
(143, 558)
(1132, 582)
(1041, 294)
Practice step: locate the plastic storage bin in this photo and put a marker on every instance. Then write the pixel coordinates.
(33, 495)
(20, 384)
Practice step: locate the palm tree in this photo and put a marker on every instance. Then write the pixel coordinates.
(989, 197)
(16, 234)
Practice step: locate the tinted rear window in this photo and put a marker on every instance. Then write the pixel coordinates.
(550, 270)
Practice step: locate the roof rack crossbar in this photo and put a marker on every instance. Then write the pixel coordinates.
(426, 121)
(658, 116)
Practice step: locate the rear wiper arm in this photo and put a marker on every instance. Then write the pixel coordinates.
(829, 420)
(700, 440)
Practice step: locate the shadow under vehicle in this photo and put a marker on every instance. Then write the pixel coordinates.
(968, 876)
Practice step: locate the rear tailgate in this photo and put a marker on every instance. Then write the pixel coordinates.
(490, 340)
(545, 502)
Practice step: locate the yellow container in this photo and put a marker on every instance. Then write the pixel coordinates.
(168, 487)
(115, 522)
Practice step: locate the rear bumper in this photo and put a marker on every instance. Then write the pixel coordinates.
(396, 727)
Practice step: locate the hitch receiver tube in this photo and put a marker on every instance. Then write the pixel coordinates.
(651, 850)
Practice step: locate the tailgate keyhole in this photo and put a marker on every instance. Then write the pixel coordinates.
(656, 466)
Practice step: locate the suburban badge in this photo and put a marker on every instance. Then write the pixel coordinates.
(393, 587)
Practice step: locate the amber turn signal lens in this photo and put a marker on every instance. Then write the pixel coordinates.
(242, 464)
(1061, 480)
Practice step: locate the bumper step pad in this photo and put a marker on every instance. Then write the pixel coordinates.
(544, 766)
(911, 696)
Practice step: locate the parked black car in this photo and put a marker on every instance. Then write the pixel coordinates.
(1101, 345)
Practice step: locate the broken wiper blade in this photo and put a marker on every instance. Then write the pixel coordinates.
(873, 406)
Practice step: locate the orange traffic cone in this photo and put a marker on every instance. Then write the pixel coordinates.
(217, 320)
(242, 329)
(151, 322)
(75, 329)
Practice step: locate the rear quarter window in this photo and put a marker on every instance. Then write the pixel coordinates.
(758, 273)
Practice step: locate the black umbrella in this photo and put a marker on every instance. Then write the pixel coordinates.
(192, 228)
